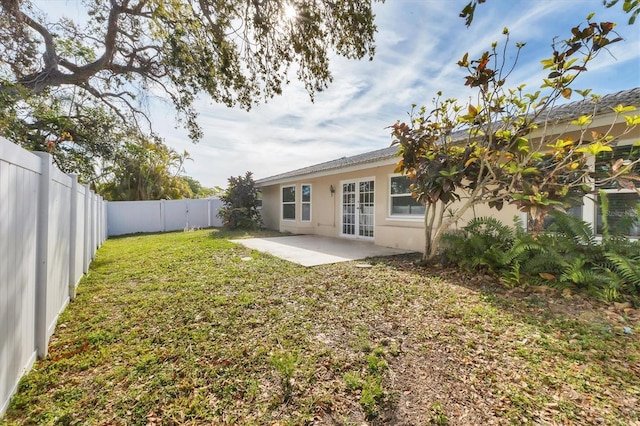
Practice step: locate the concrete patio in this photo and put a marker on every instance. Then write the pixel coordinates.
(313, 250)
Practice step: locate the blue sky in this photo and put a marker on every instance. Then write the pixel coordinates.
(418, 45)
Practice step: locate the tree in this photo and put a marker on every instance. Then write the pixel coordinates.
(236, 51)
(145, 170)
(487, 152)
(240, 204)
(631, 7)
(79, 134)
(200, 191)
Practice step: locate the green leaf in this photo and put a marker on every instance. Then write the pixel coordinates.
(621, 109)
(583, 120)
(547, 63)
(632, 120)
(595, 148)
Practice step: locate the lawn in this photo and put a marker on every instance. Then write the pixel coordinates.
(190, 328)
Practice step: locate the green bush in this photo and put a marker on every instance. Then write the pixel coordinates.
(240, 204)
(567, 254)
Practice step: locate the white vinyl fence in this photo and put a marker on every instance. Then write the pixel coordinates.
(50, 229)
(129, 217)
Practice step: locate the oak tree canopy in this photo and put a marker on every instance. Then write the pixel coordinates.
(239, 52)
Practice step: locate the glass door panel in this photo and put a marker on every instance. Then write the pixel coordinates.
(366, 208)
(349, 208)
(358, 208)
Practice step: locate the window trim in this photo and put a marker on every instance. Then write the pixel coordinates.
(396, 216)
(283, 203)
(302, 202)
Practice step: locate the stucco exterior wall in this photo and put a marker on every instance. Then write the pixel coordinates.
(326, 214)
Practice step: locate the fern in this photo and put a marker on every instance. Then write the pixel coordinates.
(512, 278)
(627, 268)
(574, 228)
(567, 255)
(490, 228)
(609, 286)
(575, 271)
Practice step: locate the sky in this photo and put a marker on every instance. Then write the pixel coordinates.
(417, 46)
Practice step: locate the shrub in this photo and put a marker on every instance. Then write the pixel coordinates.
(240, 204)
(565, 255)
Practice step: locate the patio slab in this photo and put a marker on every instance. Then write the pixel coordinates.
(313, 250)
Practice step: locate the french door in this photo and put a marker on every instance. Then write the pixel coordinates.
(358, 208)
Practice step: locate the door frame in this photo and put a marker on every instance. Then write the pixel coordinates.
(357, 224)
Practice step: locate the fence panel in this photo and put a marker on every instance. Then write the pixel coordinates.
(18, 200)
(176, 214)
(214, 207)
(76, 250)
(130, 217)
(56, 256)
(45, 235)
(199, 216)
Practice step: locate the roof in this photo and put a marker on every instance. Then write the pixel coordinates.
(561, 113)
(340, 163)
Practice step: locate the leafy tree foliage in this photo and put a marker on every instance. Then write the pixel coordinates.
(631, 7)
(240, 204)
(200, 191)
(80, 135)
(236, 51)
(486, 153)
(145, 170)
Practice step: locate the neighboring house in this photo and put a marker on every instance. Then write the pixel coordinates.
(361, 197)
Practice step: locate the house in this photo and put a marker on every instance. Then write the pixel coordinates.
(361, 197)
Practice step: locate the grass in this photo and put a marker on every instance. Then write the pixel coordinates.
(178, 329)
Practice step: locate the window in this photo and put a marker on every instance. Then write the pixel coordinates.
(288, 203)
(259, 200)
(605, 160)
(305, 215)
(402, 203)
(623, 203)
(623, 214)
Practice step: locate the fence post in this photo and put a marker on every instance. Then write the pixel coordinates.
(162, 216)
(101, 222)
(42, 255)
(73, 237)
(94, 223)
(105, 223)
(87, 222)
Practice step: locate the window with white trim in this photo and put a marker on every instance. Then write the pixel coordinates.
(305, 209)
(401, 201)
(259, 200)
(288, 202)
(624, 204)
